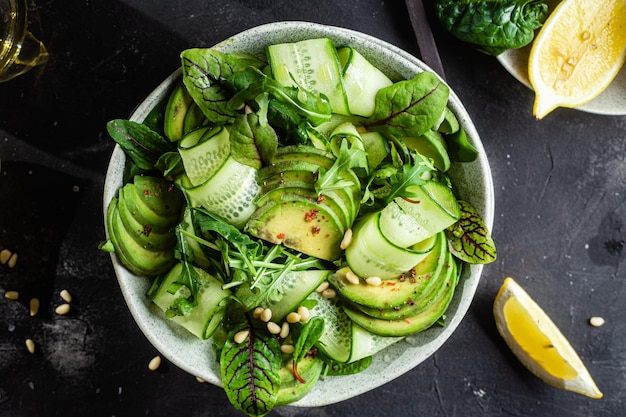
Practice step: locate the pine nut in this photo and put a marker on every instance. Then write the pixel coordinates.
(257, 312)
(33, 306)
(5, 254)
(200, 380)
(329, 293)
(284, 330)
(322, 286)
(12, 260)
(154, 363)
(596, 321)
(273, 328)
(304, 313)
(66, 296)
(62, 309)
(352, 278)
(288, 349)
(374, 281)
(30, 345)
(347, 239)
(241, 336)
(293, 317)
(266, 315)
(12, 295)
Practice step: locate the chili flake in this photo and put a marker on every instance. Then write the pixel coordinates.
(315, 230)
(280, 236)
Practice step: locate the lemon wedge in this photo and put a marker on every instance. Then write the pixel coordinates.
(538, 343)
(577, 53)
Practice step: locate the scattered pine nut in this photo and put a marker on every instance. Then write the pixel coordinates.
(33, 306)
(200, 380)
(304, 313)
(154, 363)
(374, 281)
(322, 286)
(30, 345)
(293, 317)
(62, 309)
(66, 296)
(257, 312)
(266, 315)
(329, 293)
(5, 254)
(352, 278)
(288, 349)
(12, 260)
(12, 295)
(241, 336)
(284, 330)
(597, 321)
(347, 239)
(273, 328)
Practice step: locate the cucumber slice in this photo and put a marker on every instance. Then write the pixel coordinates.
(394, 292)
(366, 343)
(336, 341)
(204, 319)
(313, 65)
(371, 254)
(203, 151)
(229, 193)
(362, 80)
(294, 287)
(348, 132)
(432, 145)
(376, 147)
(433, 207)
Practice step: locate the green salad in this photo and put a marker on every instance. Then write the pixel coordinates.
(297, 211)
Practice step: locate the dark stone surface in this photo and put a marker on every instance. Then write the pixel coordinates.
(560, 223)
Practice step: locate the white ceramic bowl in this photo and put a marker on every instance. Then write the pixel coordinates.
(473, 179)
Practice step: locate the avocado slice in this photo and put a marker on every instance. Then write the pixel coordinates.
(286, 190)
(300, 224)
(411, 324)
(143, 233)
(160, 196)
(304, 153)
(136, 258)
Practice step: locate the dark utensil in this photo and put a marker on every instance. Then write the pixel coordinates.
(424, 36)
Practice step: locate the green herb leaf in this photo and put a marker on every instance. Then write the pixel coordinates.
(251, 142)
(411, 174)
(306, 338)
(210, 79)
(469, 240)
(249, 371)
(492, 26)
(459, 148)
(337, 369)
(409, 108)
(350, 157)
(143, 145)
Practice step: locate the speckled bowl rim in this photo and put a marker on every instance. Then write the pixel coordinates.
(473, 180)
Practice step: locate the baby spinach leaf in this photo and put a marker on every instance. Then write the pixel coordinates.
(492, 26)
(459, 148)
(409, 108)
(336, 369)
(306, 338)
(143, 145)
(469, 240)
(249, 371)
(251, 142)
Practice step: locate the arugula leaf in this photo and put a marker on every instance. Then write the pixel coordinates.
(142, 144)
(410, 107)
(251, 142)
(469, 240)
(411, 174)
(250, 371)
(350, 157)
(492, 26)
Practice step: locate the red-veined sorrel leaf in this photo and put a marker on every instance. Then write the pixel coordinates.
(469, 240)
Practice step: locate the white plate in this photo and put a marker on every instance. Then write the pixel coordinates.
(612, 101)
(473, 179)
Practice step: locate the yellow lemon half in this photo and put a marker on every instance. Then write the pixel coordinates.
(577, 53)
(538, 343)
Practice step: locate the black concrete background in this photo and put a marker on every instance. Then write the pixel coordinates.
(559, 227)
